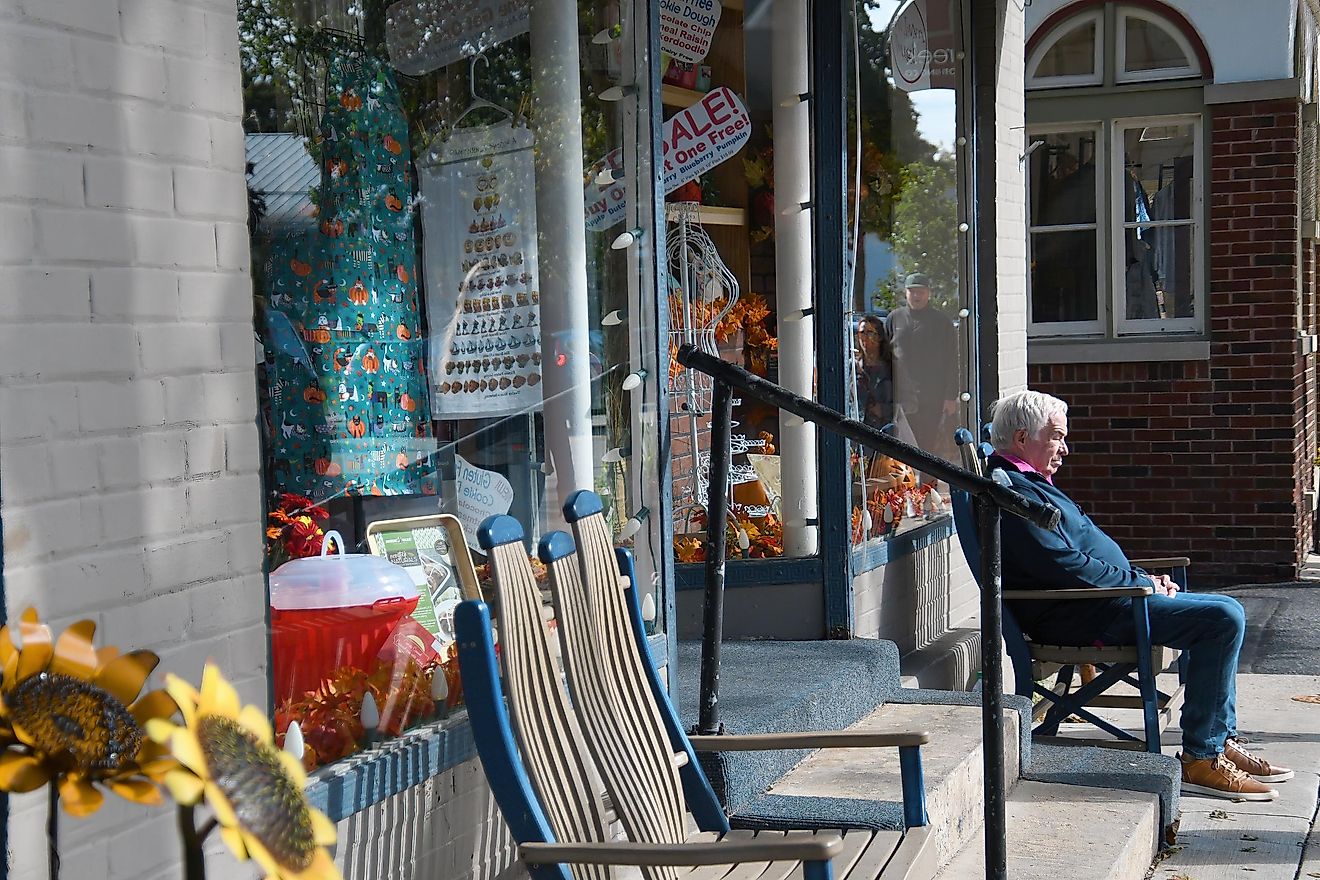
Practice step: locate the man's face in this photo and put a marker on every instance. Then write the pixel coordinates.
(918, 297)
(1045, 450)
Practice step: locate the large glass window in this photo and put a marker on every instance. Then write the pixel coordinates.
(1069, 56)
(439, 334)
(908, 322)
(1065, 230)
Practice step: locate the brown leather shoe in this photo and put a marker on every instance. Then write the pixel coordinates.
(1256, 767)
(1220, 777)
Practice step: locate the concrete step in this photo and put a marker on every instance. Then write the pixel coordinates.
(857, 782)
(1071, 831)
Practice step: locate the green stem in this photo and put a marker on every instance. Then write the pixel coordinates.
(53, 830)
(194, 863)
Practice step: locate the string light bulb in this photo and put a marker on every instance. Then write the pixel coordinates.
(614, 318)
(626, 239)
(606, 36)
(633, 380)
(606, 177)
(439, 686)
(617, 93)
(648, 608)
(744, 540)
(293, 740)
(633, 524)
(370, 715)
(618, 453)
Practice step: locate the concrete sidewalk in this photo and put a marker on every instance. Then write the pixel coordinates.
(1280, 661)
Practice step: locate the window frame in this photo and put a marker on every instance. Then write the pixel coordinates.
(1123, 75)
(1095, 78)
(1118, 225)
(1056, 329)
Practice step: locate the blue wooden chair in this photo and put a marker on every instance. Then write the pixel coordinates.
(1034, 662)
(547, 756)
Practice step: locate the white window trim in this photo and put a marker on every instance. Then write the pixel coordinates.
(1072, 328)
(1117, 227)
(1097, 74)
(1123, 75)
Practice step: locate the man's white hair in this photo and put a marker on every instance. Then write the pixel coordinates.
(1022, 411)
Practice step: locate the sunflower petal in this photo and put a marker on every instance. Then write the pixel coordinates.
(19, 772)
(185, 695)
(323, 830)
(184, 746)
(74, 653)
(255, 721)
(36, 652)
(124, 676)
(7, 648)
(105, 654)
(153, 705)
(234, 839)
(219, 803)
(160, 730)
(139, 791)
(79, 797)
(321, 868)
(218, 695)
(262, 857)
(184, 786)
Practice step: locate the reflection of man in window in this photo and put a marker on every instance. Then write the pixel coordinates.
(925, 345)
(1140, 275)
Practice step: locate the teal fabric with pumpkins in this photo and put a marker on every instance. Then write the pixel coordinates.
(347, 383)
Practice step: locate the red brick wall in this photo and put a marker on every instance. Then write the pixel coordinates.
(1210, 458)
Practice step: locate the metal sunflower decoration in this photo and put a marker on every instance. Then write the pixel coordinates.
(71, 716)
(228, 758)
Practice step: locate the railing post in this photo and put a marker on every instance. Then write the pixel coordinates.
(717, 518)
(992, 688)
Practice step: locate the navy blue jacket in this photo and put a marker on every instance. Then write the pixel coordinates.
(1076, 553)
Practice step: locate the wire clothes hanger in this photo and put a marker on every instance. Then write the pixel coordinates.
(476, 102)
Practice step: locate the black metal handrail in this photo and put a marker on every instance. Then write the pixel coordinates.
(988, 498)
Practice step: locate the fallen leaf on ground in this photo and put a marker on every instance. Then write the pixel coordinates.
(1219, 814)
(1309, 698)
(1250, 837)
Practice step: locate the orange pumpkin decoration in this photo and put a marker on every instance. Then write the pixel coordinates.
(407, 402)
(402, 331)
(402, 273)
(327, 468)
(319, 335)
(370, 362)
(332, 228)
(349, 100)
(301, 269)
(357, 427)
(313, 394)
(357, 294)
(393, 145)
(392, 202)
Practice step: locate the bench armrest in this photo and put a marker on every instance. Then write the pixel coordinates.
(1162, 562)
(818, 739)
(793, 846)
(1080, 593)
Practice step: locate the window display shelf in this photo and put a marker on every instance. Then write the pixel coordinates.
(713, 215)
(676, 96)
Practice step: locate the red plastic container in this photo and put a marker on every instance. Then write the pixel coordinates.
(332, 611)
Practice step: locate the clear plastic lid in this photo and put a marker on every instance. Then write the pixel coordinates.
(341, 580)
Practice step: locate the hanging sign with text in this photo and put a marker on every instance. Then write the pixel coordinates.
(923, 40)
(697, 139)
(687, 28)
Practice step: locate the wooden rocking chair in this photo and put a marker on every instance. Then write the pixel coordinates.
(1035, 662)
(547, 757)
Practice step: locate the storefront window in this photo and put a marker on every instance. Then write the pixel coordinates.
(439, 334)
(739, 273)
(909, 320)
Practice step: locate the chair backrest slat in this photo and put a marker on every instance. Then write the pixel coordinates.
(549, 736)
(609, 684)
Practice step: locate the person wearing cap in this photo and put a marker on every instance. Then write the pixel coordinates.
(925, 345)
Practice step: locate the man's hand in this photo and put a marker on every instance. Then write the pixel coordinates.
(1164, 585)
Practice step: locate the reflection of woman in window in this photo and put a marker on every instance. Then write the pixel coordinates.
(875, 372)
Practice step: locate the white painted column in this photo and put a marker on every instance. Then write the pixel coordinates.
(793, 280)
(561, 242)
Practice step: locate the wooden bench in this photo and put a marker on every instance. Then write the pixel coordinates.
(572, 768)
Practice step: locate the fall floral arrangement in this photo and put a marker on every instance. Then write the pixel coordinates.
(764, 536)
(293, 529)
(759, 170)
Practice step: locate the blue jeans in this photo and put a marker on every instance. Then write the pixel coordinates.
(1209, 628)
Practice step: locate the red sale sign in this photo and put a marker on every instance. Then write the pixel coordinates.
(695, 140)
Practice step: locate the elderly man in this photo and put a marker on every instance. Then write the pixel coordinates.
(1029, 433)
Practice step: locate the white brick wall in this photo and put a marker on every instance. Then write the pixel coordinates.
(1010, 203)
(129, 461)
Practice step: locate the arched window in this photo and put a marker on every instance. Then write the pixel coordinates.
(1070, 56)
(1151, 48)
